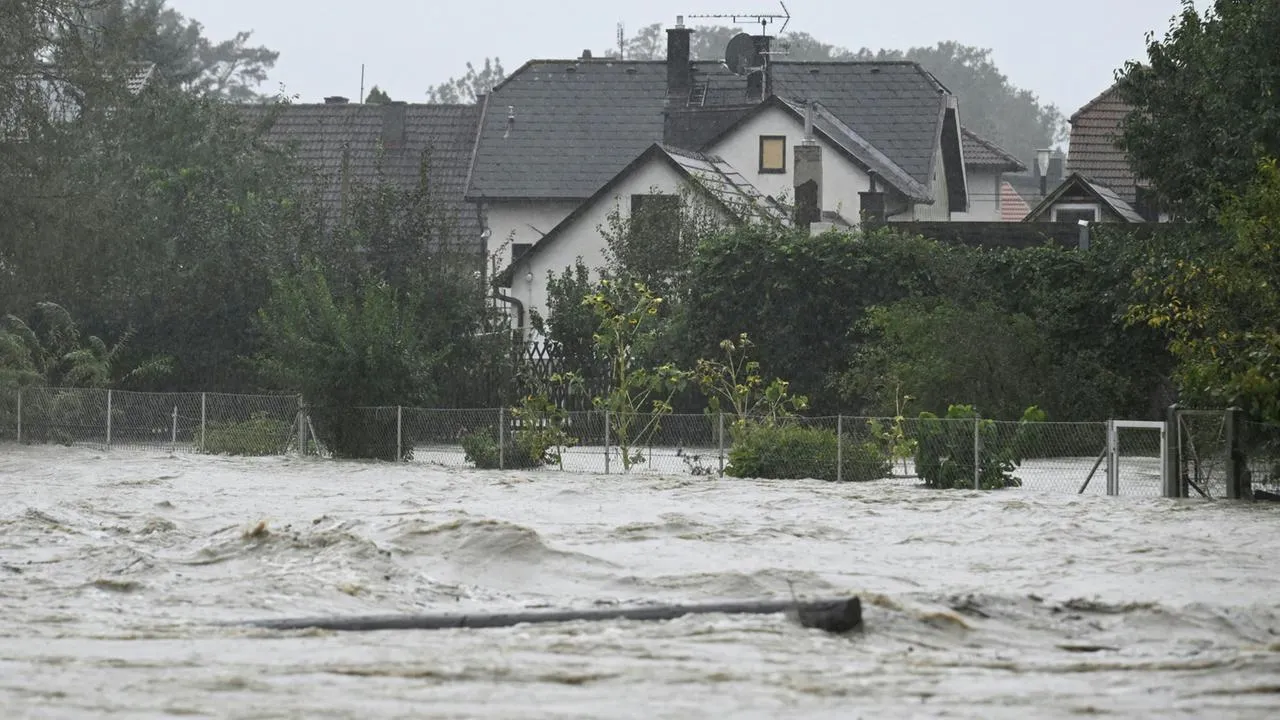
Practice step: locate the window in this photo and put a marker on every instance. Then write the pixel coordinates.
(773, 153)
(1074, 212)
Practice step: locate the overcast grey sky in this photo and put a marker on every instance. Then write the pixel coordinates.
(1065, 51)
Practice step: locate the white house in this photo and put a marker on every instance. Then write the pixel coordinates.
(660, 173)
(556, 131)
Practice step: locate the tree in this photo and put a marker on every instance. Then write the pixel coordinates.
(377, 96)
(1206, 105)
(1217, 294)
(472, 84)
(149, 31)
(943, 352)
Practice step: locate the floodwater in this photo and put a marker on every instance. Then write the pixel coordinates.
(116, 571)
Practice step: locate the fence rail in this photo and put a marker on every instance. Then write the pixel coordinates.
(1193, 458)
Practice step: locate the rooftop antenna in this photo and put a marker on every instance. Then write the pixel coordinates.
(622, 43)
(764, 19)
(361, 95)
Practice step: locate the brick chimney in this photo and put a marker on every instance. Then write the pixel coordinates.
(679, 69)
(808, 175)
(393, 124)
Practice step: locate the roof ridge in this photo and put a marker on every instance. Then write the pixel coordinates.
(1094, 102)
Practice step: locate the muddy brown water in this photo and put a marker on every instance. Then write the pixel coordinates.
(116, 569)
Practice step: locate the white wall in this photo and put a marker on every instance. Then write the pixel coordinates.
(940, 210)
(984, 197)
(841, 179)
(521, 221)
(583, 238)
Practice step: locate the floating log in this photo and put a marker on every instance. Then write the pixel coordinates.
(833, 615)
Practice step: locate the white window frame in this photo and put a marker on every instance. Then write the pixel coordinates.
(1095, 207)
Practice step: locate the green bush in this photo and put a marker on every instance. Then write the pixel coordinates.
(480, 448)
(944, 453)
(259, 435)
(788, 451)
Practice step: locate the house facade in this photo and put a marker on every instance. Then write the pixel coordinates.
(1100, 184)
(555, 131)
(987, 167)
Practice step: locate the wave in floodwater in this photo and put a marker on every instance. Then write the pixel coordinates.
(116, 572)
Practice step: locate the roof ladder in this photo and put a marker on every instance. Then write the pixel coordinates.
(698, 95)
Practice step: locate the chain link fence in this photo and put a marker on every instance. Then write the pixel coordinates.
(1261, 445)
(936, 453)
(171, 422)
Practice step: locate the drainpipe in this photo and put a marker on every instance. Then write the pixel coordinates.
(519, 309)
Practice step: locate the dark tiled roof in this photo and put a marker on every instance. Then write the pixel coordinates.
(329, 135)
(981, 153)
(577, 123)
(1092, 151)
(854, 144)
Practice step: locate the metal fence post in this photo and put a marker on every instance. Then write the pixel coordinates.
(721, 441)
(108, 419)
(1239, 486)
(977, 453)
(1113, 459)
(203, 406)
(302, 427)
(1173, 485)
(19, 416)
(502, 438)
(173, 437)
(839, 447)
(399, 434)
(606, 442)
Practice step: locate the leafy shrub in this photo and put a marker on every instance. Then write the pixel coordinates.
(789, 451)
(944, 454)
(480, 448)
(259, 435)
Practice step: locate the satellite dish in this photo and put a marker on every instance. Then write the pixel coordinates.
(740, 54)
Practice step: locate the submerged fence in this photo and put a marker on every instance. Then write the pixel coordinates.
(1195, 453)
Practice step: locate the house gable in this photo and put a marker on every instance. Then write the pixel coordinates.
(1092, 150)
(661, 171)
(1079, 197)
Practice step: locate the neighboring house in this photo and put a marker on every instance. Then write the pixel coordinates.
(1094, 155)
(557, 133)
(1080, 198)
(727, 196)
(986, 165)
(349, 143)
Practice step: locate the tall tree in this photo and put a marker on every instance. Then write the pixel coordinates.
(1206, 104)
(473, 83)
(377, 96)
(152, 32)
